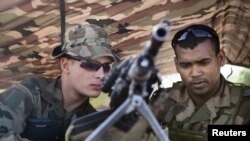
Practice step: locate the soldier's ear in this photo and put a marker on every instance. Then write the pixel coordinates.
(176, 64)
(64, 64)
(221, 57)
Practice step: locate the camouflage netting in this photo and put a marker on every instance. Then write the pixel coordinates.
(30, 29)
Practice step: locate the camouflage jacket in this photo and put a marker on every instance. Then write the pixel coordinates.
(181, 119)
(177, 112)
(36, 100)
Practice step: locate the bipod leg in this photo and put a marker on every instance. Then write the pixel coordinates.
(116, 115)
(148, 115)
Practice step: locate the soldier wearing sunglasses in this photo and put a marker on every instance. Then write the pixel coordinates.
(40, 109)
(204, 96)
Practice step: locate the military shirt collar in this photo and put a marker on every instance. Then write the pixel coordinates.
(180, 95)
(53, 92)
(220, 99)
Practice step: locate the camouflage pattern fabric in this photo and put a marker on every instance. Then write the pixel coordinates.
(36, 98)
(30, 29)
(112, 134)
(184, 121)
(86, 41)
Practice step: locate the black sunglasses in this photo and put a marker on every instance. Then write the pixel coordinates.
(198, 33)
(92, 65)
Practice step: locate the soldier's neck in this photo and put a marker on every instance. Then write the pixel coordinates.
(71, 100)
(70, 104)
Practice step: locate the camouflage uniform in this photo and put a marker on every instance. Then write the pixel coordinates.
(33, 108)
(184, 121)
(36, 98)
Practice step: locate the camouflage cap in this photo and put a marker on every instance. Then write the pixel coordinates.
(85, 42)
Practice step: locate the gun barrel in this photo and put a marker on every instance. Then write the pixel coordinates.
(141, 69)
(159, 36)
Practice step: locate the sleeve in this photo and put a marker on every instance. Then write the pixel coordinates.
(16, 103)
(243, 116)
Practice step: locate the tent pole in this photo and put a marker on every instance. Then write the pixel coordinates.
(62, 14)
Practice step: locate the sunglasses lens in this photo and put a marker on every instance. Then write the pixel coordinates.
(106, 67)
(90, 66)
(201, 33)
(95, 66)
(183, 36)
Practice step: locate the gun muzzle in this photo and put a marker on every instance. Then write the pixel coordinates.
(159, 36)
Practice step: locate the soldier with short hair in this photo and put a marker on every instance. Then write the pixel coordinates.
(203, 96)
(40, 109)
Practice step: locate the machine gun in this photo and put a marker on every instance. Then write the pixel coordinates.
(134, 74)
(137, 72)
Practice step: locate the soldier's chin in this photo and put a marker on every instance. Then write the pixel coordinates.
(200, 92)
(94, 95)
